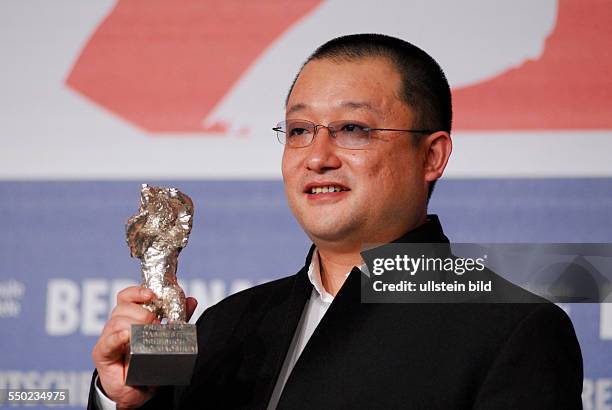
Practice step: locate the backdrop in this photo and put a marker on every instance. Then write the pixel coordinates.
(98, 97)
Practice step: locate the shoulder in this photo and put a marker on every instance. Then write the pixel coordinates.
(524, 311)
(248, 305)
(257, 295)
(545, 324)
(509, 309)
(538, 363)
(532, 323)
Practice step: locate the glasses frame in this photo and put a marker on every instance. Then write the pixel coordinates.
(332, 133)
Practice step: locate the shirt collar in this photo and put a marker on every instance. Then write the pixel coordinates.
(314, 275)
(429, 232)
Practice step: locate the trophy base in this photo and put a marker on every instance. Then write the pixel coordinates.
(161, 355)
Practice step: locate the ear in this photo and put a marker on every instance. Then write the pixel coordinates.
(437, 149)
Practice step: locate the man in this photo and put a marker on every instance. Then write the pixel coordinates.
(367, 134)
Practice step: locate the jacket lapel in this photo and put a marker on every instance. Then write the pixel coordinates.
(278, 327)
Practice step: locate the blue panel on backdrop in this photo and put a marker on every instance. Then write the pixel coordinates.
(63, 252)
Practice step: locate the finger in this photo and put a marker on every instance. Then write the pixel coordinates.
(112, 346)
(117, 324)
(135, 294)
(192, 304)
(116, 334)
(138, 313)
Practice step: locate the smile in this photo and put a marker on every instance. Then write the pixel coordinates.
(326, 189)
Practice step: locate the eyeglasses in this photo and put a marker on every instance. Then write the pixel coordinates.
(345, 134)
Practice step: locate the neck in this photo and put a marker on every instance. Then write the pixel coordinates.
(335, 265)
(339, 259)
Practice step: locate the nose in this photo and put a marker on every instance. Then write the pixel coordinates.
(321, 154)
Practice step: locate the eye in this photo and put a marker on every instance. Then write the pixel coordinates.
(351, 134)
(296, 131)
(353, 128)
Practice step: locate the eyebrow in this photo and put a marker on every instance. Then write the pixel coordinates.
(361, 106)
(296, 108)
(353, 105)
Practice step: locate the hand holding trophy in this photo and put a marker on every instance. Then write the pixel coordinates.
(158, 354)
(161, 353)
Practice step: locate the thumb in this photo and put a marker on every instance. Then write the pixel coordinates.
(192, 303)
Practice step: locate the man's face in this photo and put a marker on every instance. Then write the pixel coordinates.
(383, 186)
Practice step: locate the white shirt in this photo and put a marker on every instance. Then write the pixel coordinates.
(313, 312)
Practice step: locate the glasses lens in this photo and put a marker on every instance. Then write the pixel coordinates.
(350, 134)
(280, 132)
(296, 133)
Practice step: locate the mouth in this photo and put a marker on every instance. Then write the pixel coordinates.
(315, 189)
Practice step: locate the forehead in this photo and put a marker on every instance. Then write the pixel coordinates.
(366, 83)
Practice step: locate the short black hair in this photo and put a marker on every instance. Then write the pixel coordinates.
(425, 88)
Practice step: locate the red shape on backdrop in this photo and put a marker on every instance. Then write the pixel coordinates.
(568, 87)
(164, 65)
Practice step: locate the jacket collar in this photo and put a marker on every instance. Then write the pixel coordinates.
(429, 232)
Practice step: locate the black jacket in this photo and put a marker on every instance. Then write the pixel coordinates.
(381, 356)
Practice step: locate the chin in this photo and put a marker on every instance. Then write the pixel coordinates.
(330, 232)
